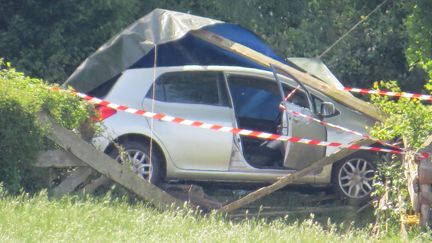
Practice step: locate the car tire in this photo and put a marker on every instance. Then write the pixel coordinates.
(139, 155)
(352, 178)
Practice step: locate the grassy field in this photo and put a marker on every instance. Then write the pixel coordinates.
(74, 219)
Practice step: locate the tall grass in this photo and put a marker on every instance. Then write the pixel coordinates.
(72, 219)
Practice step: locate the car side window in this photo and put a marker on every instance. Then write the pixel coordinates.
(297, 97)
(317, 102)
(254, 98)
(194, 87)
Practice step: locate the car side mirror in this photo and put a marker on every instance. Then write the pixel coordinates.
(327, 109)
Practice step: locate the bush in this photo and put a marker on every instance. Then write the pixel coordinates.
(22, 136)
(408, 120)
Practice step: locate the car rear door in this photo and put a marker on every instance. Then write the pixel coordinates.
(197, 96)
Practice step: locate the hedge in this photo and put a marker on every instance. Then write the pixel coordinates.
(22, 135)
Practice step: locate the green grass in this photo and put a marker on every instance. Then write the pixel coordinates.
(73, 219)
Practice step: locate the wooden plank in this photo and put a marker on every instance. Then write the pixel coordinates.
(290, 178)
(309, 198)
(95, 184)
(76, 178)
(411, 174)
(338, 95)
(58, 159)
(193, 194)
(308, 210)
(425, 172)
(425, 181)
(425, 204)
(105, 165)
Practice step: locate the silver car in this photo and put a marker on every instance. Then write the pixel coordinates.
(234, 97)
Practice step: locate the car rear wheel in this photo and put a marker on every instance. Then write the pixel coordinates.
(137, 155)
(353, 178)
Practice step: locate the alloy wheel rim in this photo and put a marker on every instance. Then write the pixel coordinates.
(355, 178)
(138, 161)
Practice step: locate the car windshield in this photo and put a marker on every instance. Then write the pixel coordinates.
(316, 68)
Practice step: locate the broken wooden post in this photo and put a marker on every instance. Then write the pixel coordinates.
(78, 177)
(63, 159)
(193, 194)
(79, 180)
(105, 165)
(290, 178)
(424, 181)
(425, 194)
(304, 210)
(93, 185)
(58, 159)
(411, 174)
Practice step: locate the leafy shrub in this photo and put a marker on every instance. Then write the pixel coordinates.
(408, 120)
(22, 136)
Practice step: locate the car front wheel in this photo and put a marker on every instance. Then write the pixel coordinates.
(353, 178)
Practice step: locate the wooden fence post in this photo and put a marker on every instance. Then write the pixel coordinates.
(105, 165)
(77, 177)
(425, 194)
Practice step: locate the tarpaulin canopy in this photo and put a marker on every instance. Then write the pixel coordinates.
(168, 38)
(166, 33)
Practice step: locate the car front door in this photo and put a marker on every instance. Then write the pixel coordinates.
(298, 155)
(299, 100)
(256, 103)
(197, 96)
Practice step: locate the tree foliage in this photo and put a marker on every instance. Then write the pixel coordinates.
(419, 26)
(373, 51)
(49, 39)
(407, 119)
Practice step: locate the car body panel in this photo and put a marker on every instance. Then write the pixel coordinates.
(298, 155)
(191, 147)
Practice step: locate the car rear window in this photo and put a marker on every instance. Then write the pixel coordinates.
(103, 89)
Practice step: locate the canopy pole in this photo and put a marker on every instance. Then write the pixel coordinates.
(153, 101)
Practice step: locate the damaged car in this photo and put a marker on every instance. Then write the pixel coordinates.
(158, 65)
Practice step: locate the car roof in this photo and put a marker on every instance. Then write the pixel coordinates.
(233, 69)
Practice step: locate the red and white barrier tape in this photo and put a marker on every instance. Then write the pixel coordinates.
(215, 127)
(291, 93)
(389, 93)
(328, 124)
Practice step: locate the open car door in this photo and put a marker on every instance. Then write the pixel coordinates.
(298, 155)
